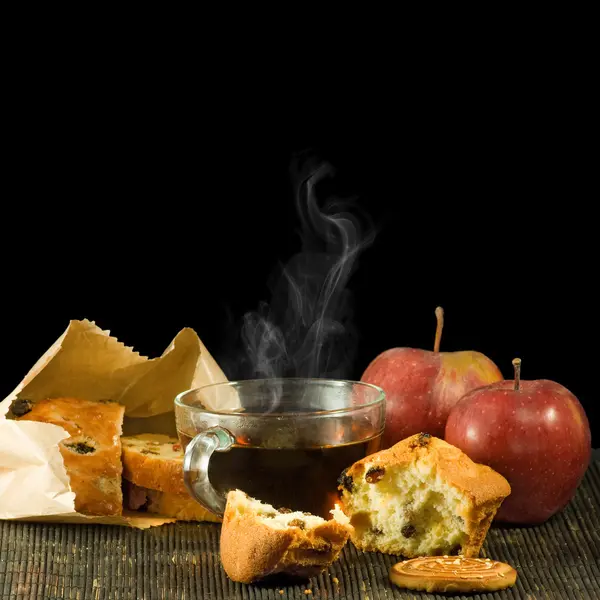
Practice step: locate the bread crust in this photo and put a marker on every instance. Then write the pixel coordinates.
(91, 453)
(177, 506)
(251, 550)
(484, 488)
(154, 471)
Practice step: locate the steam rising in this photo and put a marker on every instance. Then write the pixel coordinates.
(307, 330)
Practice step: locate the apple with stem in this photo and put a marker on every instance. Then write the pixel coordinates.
(535, 433)
(422, 386)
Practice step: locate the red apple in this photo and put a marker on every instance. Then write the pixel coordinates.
(535, 433)
(421, 386)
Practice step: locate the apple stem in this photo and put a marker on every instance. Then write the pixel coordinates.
(517, 365)
(439, 315)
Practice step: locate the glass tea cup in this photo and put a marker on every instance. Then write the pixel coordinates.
(284, 441)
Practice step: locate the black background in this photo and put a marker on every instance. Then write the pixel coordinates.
(147, 221)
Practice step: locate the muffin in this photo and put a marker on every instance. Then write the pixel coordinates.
(421, 497)
(259, 541)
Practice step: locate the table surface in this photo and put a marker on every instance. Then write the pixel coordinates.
(559, 560)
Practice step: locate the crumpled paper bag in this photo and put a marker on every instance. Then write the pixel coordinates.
(87, 362)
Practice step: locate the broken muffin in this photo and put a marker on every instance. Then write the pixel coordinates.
(258, 540)
(421, 497)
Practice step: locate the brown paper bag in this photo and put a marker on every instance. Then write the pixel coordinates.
(88, 362)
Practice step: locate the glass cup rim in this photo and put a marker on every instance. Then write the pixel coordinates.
(179, 402)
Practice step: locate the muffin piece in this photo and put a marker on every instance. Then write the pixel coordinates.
(153, 475)
(92, 453)
(257, 540)
(421, 497)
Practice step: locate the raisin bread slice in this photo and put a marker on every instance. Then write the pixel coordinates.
(155, 462)
(153, 473)
(92, 453)
(258, 541)
(176, 506)
(421, 497)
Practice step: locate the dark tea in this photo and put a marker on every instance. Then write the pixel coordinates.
(284, 441)
(303, 479)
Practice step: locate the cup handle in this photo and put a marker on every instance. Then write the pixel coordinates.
(195, 467)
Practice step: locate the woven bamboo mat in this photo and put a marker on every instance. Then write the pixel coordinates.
(559, 560)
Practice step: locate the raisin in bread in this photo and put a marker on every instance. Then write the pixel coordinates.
(421, 497)
(258, 541)
(153, 474)
(92, 453)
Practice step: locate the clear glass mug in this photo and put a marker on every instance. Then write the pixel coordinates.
(283, 441)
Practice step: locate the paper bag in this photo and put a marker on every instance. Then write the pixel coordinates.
(87, 362)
